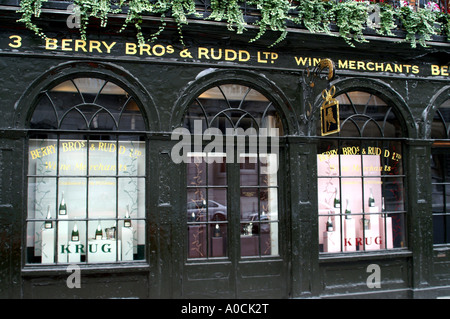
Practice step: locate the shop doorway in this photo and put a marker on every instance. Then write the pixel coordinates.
(236, 240)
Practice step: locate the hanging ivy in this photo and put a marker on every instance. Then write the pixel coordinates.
(315, 15)
(419, 25)
(230, 11)
(350, 17)
(274, 16)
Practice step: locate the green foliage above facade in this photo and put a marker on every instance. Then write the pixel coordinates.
(351, 18)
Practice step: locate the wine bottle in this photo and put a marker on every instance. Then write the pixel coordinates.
(48, 223)
(371, 199)
(366, 223)
(217, 231)
(337, 201)
(62, 206)
(348, 211)
(329, 224)
(127, 220)
(99, 232)
(75, 235)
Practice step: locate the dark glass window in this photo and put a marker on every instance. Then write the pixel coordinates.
(86, 175)
(440, 174)
(232, 192)
(361, 179)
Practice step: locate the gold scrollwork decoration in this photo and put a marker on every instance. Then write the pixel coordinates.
(317, 71)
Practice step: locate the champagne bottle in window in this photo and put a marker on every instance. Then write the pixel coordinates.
(348, 211)
(337, 201)
(217, 231)
(371, 199)
(127, 220)
(329, 224)
(75, 235)
(99, 232)
(366, 222)
(62, 206)
(48, 223)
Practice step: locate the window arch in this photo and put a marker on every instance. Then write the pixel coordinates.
(365, 114)
(87, 103)
(86, 173)
(440, 174)
(232, 106)
(232, 188)
(361, 178)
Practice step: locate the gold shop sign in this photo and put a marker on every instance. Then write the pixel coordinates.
(329, 112)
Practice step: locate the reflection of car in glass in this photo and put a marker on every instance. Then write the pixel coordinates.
(196, 210)
(256, 226)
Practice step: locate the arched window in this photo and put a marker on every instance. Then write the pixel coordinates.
(440, 174)
(86, 174)
(232, 181)
(361, 178)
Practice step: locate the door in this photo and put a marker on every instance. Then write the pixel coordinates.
(236, 237)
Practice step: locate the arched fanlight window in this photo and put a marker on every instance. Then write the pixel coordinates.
(87, 104)
(213, 206)
(86, 174)
(231, 106)
(364, 114)
(440, 174)
(361, 178)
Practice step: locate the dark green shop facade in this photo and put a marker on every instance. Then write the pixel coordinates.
(126, 164)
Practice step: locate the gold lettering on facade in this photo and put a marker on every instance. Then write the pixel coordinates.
(225, 54)
(358, 65)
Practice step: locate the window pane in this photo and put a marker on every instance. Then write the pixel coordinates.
(64, 96)
(72, 195)
(218, 234)
(217, 204)
(196, 204)
(197, 241)
(216, 170)
(102, 158)
(249, 170)
(131, 197)
(72, 157)
(42, 157)
(102, 197)
(249, 203)
(259, 226)
(131, 118)
(439, 229)
(131, 158)
(269, 164)
(196, 172)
